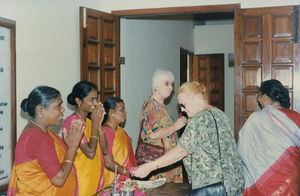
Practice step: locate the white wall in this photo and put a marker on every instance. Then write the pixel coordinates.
(47, 45)
(47, 37)
(212, 39)
(148, 45)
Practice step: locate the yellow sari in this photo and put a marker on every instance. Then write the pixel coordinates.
(89, 171)
(30, 179)
(122, 154)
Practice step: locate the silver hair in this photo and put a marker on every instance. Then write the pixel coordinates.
(160, 76)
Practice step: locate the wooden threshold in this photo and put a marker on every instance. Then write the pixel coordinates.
(177, 10)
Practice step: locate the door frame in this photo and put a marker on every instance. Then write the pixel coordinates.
(177, 10)
(189, 58)
(10, 24)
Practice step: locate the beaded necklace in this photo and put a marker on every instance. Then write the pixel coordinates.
(39, 126)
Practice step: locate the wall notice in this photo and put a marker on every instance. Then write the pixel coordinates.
(5, 105)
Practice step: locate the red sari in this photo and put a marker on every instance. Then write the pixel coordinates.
(29, 178)
(120, 147)
(269, 148)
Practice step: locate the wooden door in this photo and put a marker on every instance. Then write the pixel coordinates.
(100, 51)
(209, 70)
(264, 49)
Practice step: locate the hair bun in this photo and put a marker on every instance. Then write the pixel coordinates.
(71, 99)
(24, 105)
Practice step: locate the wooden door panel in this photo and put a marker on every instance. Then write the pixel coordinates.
(108, 31)
(200, 69)
(100, 51)
(108, 55)
(283, 25)
(252, 51)
(109, 82)
(92, 31)
(93, 75)
(283, 73)
(282, 51)
(264, 49)
(252, 26)
(92, 50)
(209, 70)
(217, 80)
(249, 98)
(251, 77)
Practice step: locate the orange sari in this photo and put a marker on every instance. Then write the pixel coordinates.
(89, 171)
(29, 178)
(122, 153)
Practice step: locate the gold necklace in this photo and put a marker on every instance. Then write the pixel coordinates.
(79, 116)
(110, 127)
(39, 126)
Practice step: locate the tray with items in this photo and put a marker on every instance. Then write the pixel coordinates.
(131, 187)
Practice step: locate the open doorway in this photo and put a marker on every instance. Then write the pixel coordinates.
(166, 42)
(151, 42)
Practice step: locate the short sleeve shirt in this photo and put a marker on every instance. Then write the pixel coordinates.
(199, 139)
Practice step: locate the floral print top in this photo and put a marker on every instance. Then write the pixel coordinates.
(202, 164)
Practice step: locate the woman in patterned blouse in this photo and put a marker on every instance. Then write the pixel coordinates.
(198, 145)
(157, 124)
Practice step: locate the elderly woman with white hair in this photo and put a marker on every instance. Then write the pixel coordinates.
(158, 126)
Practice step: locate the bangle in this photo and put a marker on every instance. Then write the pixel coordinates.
(68, 161)
(101, 132)
(124, 170)
(95, 137)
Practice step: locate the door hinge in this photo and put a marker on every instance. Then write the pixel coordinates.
(84, 18)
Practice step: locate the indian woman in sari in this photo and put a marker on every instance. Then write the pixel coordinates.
(120, 151)
(269, 144)
(89, 159)
(43, 162)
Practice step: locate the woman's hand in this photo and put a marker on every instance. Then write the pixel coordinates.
(144, 170)
(73, 137)
(180, 122)
(166, 131)
(98, 114)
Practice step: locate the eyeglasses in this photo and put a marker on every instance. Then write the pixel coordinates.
(181, 105)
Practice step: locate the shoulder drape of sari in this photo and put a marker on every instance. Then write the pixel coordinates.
(269, 148)
(29, 178)
(89, 171)
(122, 153)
